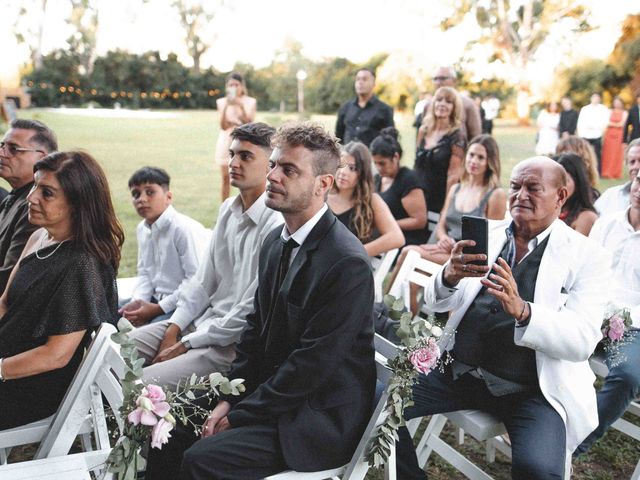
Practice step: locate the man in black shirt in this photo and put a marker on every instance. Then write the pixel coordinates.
(568, 119)
(362, 118)
(26, 142)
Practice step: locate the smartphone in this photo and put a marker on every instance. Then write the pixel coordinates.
(232, 92)
(476, 229)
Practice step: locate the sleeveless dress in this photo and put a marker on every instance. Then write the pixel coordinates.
(612, 151)
(233, 115)
(454, 216)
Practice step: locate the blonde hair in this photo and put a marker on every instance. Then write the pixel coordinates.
(582, 148)
(450, 95)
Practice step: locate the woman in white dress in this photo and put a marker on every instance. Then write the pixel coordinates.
(236, 108)
(548, 120)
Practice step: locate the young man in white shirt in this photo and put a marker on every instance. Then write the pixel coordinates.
(592, 121)
(616, 198)
(201, 335)
(620, 234)
(169, 247)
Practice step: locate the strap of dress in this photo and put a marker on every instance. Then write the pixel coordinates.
(485, 200)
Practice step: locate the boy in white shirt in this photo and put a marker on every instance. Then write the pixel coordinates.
(169, 247)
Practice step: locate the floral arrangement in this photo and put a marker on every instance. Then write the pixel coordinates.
(419, 353)
(150, 412)
(615, 328)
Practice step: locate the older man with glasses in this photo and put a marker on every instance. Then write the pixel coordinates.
(26, 142)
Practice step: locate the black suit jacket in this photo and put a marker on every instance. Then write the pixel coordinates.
(309, 365)
(633, 122)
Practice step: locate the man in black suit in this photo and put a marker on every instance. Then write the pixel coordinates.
(307, 354)
(633, 122)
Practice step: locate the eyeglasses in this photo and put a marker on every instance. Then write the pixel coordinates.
(440, 79)
(14, 149)
(351, 166)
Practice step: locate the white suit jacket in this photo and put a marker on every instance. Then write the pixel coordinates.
(566, 316)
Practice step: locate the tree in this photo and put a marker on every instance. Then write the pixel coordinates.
(625, 58)
(195, 17)
(516, 30)
(29, 27)
(84, 20)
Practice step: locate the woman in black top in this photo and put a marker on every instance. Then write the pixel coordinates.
(62, 288)
(399, 187)
(441, 147)
(354, 203)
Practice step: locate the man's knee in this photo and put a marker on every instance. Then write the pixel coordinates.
(538, 467)
(196, 457)
(626, 375)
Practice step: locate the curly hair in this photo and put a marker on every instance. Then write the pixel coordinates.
(312, 136)
(584, 150)
(362, 220)
(450, 95)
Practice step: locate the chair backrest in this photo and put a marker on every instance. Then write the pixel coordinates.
(382, 270)
(98, 375)
(414, 269)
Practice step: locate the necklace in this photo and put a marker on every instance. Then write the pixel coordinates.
(49, 254)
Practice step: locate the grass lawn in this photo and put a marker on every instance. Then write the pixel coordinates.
(183, 143)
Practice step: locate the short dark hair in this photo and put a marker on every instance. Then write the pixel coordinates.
(387, 144)
(44, 137)
(367, 69)
(150, 175)
(312, 136)
(258, 133)
(96, 229)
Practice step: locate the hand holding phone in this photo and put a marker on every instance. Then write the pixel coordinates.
(476, 229)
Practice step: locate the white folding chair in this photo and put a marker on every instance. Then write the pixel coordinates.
(600, 368)
(414, 269)
(82, 409)
(381, 270)
(357, 468)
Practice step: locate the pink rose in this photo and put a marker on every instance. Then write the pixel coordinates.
(150, 406)
(160, 433)
(425, 359)
(616, 328)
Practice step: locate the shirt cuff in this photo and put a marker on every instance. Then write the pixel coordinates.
(442, 290)
(180, 319)
(168, 304)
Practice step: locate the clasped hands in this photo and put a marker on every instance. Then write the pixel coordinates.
(501, 283)
(217, 420)
(140, 312)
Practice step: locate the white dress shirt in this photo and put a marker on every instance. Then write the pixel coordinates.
(220, 296)
(613, 199)
(303, 232)
(616, 234)
(169, 251)
(592, 121)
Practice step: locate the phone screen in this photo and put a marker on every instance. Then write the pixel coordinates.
(476, 229)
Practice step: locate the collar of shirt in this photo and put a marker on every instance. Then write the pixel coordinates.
(371, 101)
(303, 232)
(533, 243)
(623, 218)
(164, 220)
(253, 213)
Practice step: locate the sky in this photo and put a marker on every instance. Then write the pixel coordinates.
(252, 31)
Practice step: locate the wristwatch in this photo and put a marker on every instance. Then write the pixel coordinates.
(186, 343)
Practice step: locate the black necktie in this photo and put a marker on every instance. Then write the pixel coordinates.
(285, 260)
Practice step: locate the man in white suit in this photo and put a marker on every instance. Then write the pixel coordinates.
(520, 337)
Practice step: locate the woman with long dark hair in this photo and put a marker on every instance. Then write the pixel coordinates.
(399, 187)
(578, 211)
(62, 288)
(354, 202)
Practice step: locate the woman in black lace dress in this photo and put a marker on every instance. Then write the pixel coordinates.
(441, 146)
(62, 288)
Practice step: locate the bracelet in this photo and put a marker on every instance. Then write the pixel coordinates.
(524, 308)
(1, 376)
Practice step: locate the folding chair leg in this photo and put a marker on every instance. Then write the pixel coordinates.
(460, 436)
(636, 472)
(390, 466)
(4, 453)
(424, 448)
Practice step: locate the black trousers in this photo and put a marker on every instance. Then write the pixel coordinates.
(242, 453)
(596, 143)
